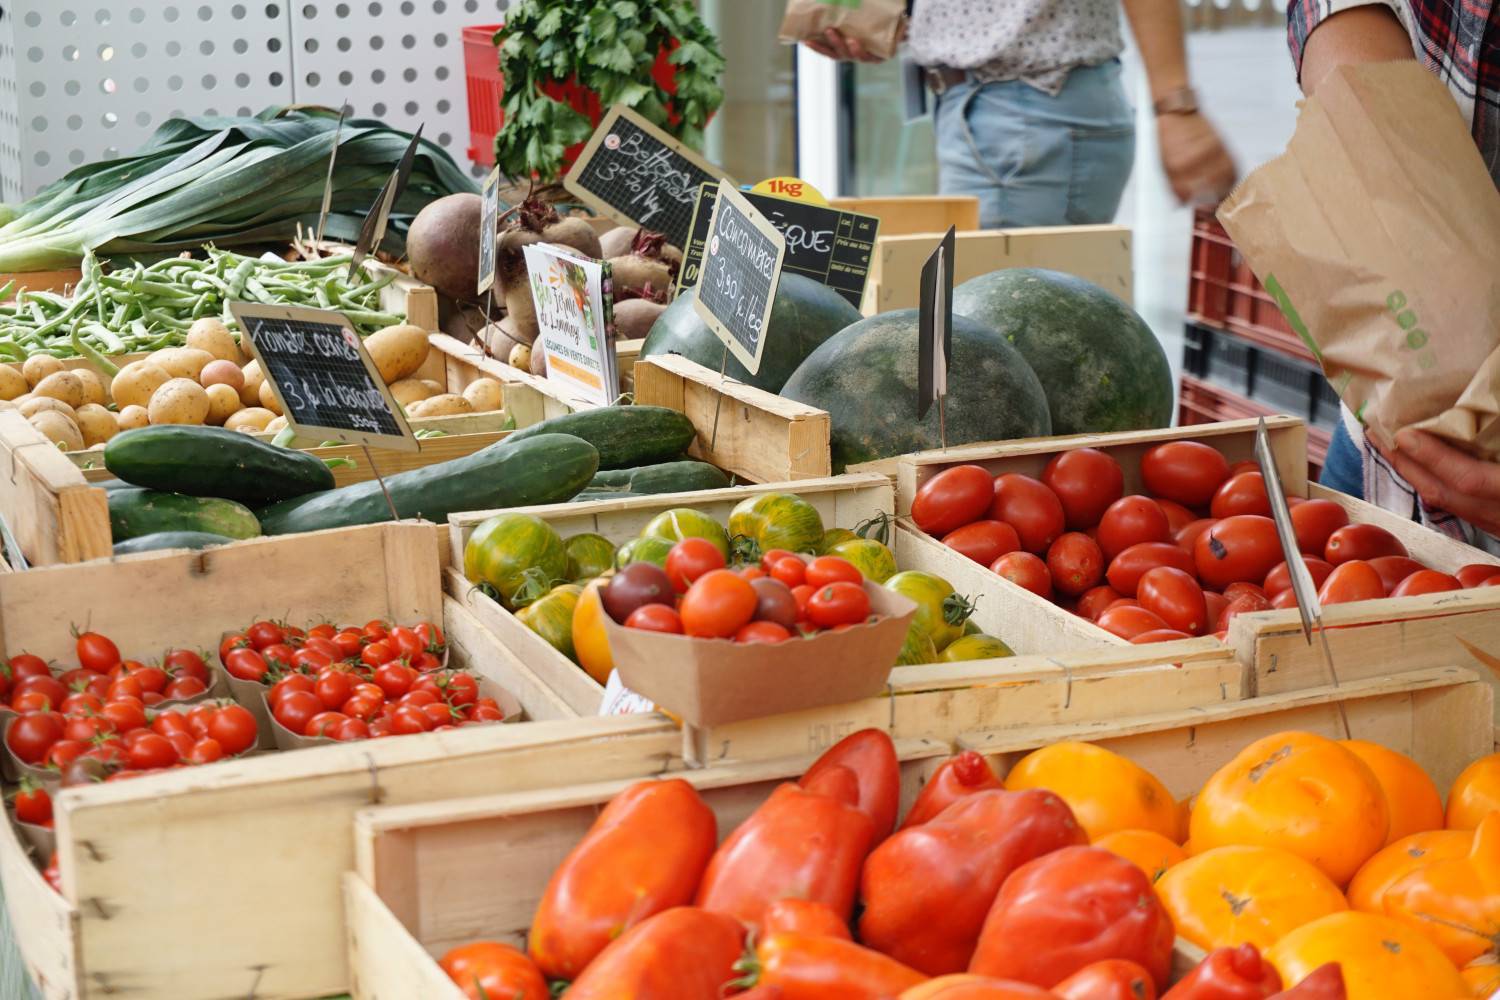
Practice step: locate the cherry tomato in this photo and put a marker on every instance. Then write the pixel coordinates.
(151, 751)
(376, 629)
(198, 717)
(31, 701)
(312, 660)
(325, 647)
(63, 752)
(55, 691)
(691, 558)
(1189, 472)
(1086, 482)
(205, 751)
(655, 618)
(1363, 542)
(33, 803)
(395, 678)
(774, 556)
(1092, 604)
(1075, 562)
(296, 709)
(487, 713)
(766, 632)
(838, 603)
(1026, 571)
(233, 728)
(246, 664)
(323, 630)
(1244, 493)
(350, 730)
(1242, 548)
(752, 573)
(265, 633)
(95, 652)
(32, 735)
(288, 684)
(81, 703)
(233, 640)
(325, 724)
(1314, 522)
(718, 605)
(377, 653)
(406, 642)
(800, 595)
(83, 729)
(1426, 581)
(1355, 580)
(1280, 578)
(432, 635)
(409, 719)
(424, 662)
(24, 665)
(333, 688)
(1129, 622)
(1031, 508)
(1158, 635)
(983, 541)
(953, 498)
(832, 569)
(150, 678)
(279, 656)
(125, 714)
(1131, 521)
(1127, 568)
(349, 644)
(792, 572)
(1245, 602)
(1173, 595)
(362, 707)
(125, 687)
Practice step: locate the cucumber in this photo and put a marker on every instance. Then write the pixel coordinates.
(170, 540)
(510, 473)
(137, 512)
(213, 462)
(624, 436)
(667, 477)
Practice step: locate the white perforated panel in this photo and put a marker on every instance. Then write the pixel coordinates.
(10, 111)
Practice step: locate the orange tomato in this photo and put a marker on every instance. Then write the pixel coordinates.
(1146, 849)
(1300, 792)
(1232, 895)
(1414, 801)
(1482, 976)
(590, 645)
(492, 969)
(1475, 794)
(966, 986)
(1455, 902)
(1106, 792)
(1381, 958)
(1398, 860)
(718, 605)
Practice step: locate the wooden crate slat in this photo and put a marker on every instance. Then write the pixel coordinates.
(922, 213)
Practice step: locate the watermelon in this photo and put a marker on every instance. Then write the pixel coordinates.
(866, 378)
(804, 315)
(1100, 364)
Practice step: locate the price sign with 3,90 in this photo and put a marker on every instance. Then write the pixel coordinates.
(741, 269)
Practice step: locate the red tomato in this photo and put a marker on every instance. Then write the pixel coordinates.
(349, 644)
(1280, 578)
(1127, 622)
(1241, 974)
(1031, 508)
(407, 720)
(1027, 571)
(362, 707)
(1174, 597)
(1092, 604)
(265, 633)
(395, 678)
(1123, 602)
(46, 685)
(1075, 562)
(1158, 635)
(31, 701)
(205, 751)
(150, 678)
(655, 618)
(63, 752)
(407, 643)
(800, 595)
(1127, 568)
(1241, 494)
(1130, 521)
(1178, 516)
(774, 556)
(985, 541)
(1214, 604)
(296, 709)
(953, 498)
(376, 629)
(1238, 549)
(831, 569)
(125, 687)
(1086, 482)
(83, 729)
(1236, 589)
(688, 560)
(1472, 575)
(1363, 542)
(24, 665)
(432, 635)
(246, 664)
(718, 605)
(377, 653)
(350, 730)
(838, 603)
(33, 803)
(460, 690)
(333, 688)
(151, 751)
(31, 735)
(325, 724)
(1394, 569)
(1284, 599)
(1426, 581)
(95, 652)
(791, 572)
(327, 647)
(1245, 602)
(767, 632)
(81, 703)
(125, 714)
(1189, 472)
(1354, 580)
(289, 683)
(1314, 521)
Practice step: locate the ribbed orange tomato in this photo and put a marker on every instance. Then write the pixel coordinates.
(1398, 860)
(1300, 792)
(1414, 801)
(1475, 794)
(590, 645)
(1232, 895)
(1455, 902)
(1106, 792)
(1381, 958)
(1146, 849)
(1483, 977)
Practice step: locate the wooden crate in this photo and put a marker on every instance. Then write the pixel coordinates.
(755, 435)
(39, 281)
(430, 877)
(268, 834)
(1368, 639)
(1100, 254)
(902, 215)
(53, 512)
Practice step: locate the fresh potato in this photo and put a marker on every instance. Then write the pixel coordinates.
(96, 423)
(182, 362)
(131, 417)
(447, 405)
(39, 366)
(434, 386)
(276, 424)
(251, 419)
(95, 386)
(268, 398)
(223, 402)
(179, 401)
(64, 385)
(250, 391)
(221, 372)
(58, 428)
(520, 357)
(12, 383)
(484, 395)
(408, 391)
(398, 351)
(36, 404)
(137, 382)
(208, 334)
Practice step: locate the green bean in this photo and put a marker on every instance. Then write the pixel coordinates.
(241, 276)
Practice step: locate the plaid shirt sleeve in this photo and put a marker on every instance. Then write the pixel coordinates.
(1305, 15)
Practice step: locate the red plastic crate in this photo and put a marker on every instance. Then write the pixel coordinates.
(1201, 402)
(1224, 292)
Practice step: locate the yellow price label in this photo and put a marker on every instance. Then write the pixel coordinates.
(792, 188)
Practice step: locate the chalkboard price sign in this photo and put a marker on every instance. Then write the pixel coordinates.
(639, 175)
(741, 270)
(322, 375)
(489, 225)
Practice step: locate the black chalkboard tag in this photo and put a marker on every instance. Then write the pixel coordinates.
(638, 175)
(489, 226)
(740, 273)
(372, 231)
(322, 376)
(935, 326)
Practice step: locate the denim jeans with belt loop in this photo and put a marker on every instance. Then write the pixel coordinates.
(1037, 160)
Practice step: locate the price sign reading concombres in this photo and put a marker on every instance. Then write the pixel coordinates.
(741, 269)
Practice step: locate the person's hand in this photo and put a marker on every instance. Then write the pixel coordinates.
(1449, 479)
(1197, 165)
(836, 45)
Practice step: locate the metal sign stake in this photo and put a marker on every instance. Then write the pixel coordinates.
(713, 438)
(381, 480)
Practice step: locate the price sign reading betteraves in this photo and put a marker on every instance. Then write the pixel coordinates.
(741, 270)
(322, 376)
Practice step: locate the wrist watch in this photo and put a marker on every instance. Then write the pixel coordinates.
(1181, 101)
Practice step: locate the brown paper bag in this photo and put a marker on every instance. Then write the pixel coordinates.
(875, 24)
(1378, 233)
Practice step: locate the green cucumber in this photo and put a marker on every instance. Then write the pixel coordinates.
(510, 473)
(624, 436)
(170, 540)
(137, 512)
(213, 462)
(666, 477)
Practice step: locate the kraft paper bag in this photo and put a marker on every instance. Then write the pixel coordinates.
(1378, 233)
(875, 24)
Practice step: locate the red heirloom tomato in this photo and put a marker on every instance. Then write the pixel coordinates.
(656, 618)
(775, 602)
(870, 756)
(986, 541)
(1068, 909)
(691, 558)
(1426, 581)
(958, 777)
(832, 569)
(1240, 549)
(1314, 521)
(683, 952)
(718, 605)
(1127, 568)
(789, 572)
(1351, 581)
(766, 632)
(1174, 597)
(1094, 602)
(1280, 577)
(1130, 521)
(1027, 571)
(1244, 493)
(927, 889)
(1229, 974)
(773, 556)
(1189, 472)
(1075, 562)
(1361, 541)
(1086, 482)
(816, 967)
(1393, 570)
(644, 854)
(953, 498)
(802, 916)
(1031, 508)
(1112, 979)
(489, 970)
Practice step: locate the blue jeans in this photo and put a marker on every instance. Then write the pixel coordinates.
(1037, 160)
(1344, 467)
